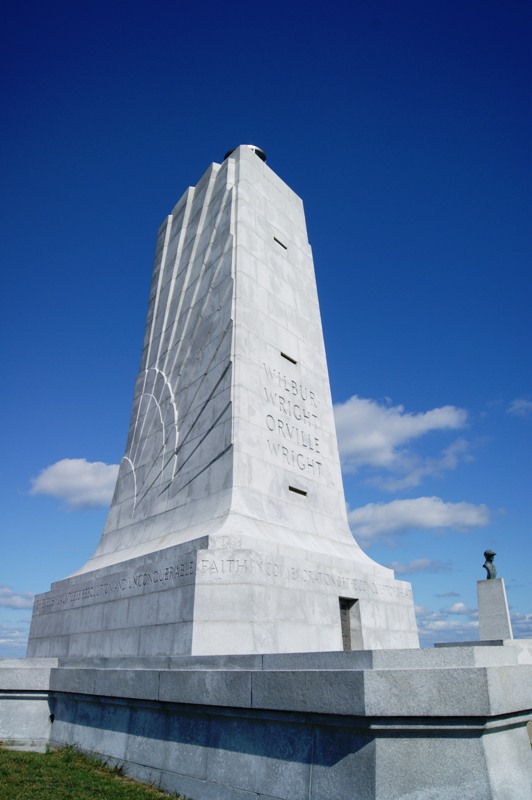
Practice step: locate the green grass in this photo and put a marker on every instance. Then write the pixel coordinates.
(66, 775)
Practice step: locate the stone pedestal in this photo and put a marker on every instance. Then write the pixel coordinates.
(493, 614)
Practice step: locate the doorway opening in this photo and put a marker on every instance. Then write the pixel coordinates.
(350, 623)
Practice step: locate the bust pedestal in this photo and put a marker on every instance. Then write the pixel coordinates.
(493, 615)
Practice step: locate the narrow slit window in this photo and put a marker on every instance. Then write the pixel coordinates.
(283, 245)
(288, 358)
(297, 491)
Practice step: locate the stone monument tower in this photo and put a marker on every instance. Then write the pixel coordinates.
(228, 532)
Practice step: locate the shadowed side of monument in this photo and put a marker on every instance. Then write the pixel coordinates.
(177, 472)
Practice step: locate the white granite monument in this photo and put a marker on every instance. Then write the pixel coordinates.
(228, 532)
(173, 653)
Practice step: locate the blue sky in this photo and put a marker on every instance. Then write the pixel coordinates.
(405, 128)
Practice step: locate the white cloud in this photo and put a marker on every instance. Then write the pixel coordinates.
(521, 625)
(420, 565)
(445, 625)
(460, 608)
(14, 639)
(80, 483)
(520, 407)
(12, 599)
(418, 469)
(460, 623)
(381, 519)
(376, 435)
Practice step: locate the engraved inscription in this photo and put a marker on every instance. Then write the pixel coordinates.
(251, 565)
(292, 423)
(258, 566)
(209, 566)
(127, 584)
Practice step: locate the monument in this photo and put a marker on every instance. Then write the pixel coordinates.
(178, 651)
(228, 531)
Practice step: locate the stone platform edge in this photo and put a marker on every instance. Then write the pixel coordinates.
(290, 726)
(474, 679)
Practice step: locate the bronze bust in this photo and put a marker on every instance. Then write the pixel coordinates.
(488, 565)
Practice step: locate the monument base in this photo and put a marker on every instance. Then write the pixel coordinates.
(222, 595)
(443, 724)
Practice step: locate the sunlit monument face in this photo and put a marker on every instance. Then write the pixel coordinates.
(228, 532)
